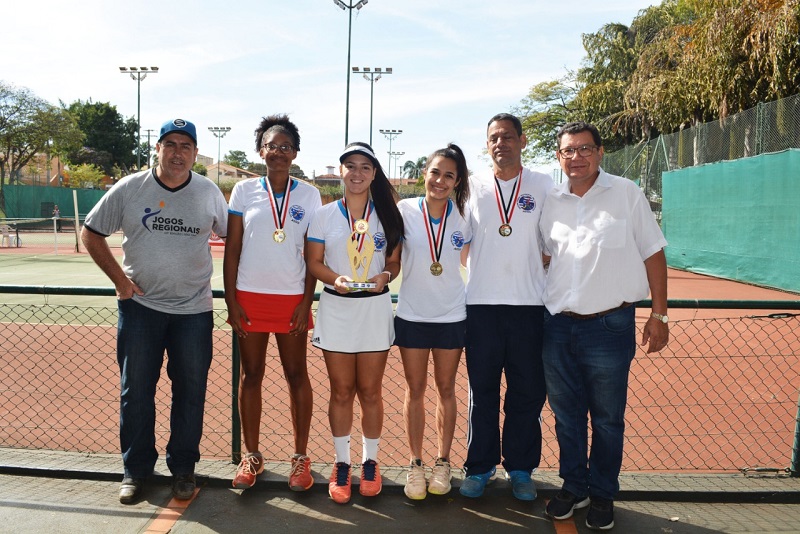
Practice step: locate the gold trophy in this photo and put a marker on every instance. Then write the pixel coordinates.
(360, 249)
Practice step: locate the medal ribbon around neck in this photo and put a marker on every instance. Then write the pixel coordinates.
(278, 212)
(507, 211)
(435, 242)
(352, 221)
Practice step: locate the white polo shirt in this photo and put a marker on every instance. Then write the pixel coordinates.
(266, 266)
(506, 270)
(331, 227)
(598, 245)
(424, 297)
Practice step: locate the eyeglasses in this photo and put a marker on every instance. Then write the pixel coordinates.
(283, 148)
(583, 151)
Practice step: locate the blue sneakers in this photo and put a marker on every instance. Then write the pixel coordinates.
(522, 485)
(474, 485)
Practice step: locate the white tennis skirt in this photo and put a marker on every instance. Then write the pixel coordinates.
(354, 324)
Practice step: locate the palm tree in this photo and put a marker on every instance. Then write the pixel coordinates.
(412, 169)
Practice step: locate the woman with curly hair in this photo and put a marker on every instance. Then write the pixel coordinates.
(267, 289)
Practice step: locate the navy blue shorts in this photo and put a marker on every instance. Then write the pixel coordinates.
(414, 335)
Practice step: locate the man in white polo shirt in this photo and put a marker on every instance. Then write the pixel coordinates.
(606, 254)
(504, 315)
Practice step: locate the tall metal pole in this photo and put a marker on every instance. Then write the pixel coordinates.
(396, 156)
(390, 134)
(148, 130)
(219, 132)
(347, 104)
(370, 76)
(139, 122)
(349, 6)
(138, 74)
(371, 100)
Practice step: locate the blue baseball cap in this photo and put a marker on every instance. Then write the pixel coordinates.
(180, 126)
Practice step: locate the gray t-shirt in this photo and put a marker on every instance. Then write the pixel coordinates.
(165, 245)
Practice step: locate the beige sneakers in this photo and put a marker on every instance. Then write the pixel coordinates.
(416, 485)
(440, 478)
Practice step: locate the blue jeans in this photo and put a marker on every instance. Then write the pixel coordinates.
(143, 336)
(504, 339)
(586, 366)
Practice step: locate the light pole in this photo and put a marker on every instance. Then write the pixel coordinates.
(390, 134)
(219, 132)
(349, 6)
(138, 74)
(149, 131)
(371, 76)
(396, 163)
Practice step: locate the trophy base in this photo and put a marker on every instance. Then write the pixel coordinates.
(354, 286)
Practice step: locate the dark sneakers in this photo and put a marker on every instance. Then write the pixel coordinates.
(183, 486)
(130, 490)
(601, 514)
(564, 503)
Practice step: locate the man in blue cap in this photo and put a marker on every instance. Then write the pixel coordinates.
(164, 297)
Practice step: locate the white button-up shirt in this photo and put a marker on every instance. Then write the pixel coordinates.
(598, 244)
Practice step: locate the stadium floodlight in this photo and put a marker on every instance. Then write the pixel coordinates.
(396, 155)
(219, 132)
(350, 6)
(372, 76)
(390, 134)
(138, 74)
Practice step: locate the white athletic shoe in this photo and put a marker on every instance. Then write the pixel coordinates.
(416, 486)
(440, 478)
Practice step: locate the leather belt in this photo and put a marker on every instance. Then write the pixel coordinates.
(580, 317)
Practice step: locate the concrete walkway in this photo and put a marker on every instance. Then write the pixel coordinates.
(46, 491)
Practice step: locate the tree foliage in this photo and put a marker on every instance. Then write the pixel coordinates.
(546, 108)
(237, 158)
(201, 169)
(678, 63)
(29, 126)
(259, 168)
(414, 169)
(297, 172)
(86, 176)
(110, 138)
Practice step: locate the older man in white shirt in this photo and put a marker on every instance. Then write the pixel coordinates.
(606, 253)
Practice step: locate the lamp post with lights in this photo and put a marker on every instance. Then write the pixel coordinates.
(149, 131)
(219, 132)
(396, 161)
(138, 74)
(372, 76)
(350, 7)
(390, 134)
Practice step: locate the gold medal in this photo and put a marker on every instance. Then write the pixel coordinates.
(505, 230)
(361, 226)
(278, 235)
(436, 268)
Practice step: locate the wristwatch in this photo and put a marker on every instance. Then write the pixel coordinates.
(663, 318)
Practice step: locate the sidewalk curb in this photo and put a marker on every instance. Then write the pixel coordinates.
(777, 493)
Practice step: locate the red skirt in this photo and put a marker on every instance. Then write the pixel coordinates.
(270, 313)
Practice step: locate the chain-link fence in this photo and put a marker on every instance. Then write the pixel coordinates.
(722, 397)
(768, 127)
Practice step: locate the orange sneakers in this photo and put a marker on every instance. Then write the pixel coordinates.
(300, 478)
(370, 479)
(339, 486)
(250, 467)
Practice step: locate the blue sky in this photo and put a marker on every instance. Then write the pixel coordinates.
(456, 63)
